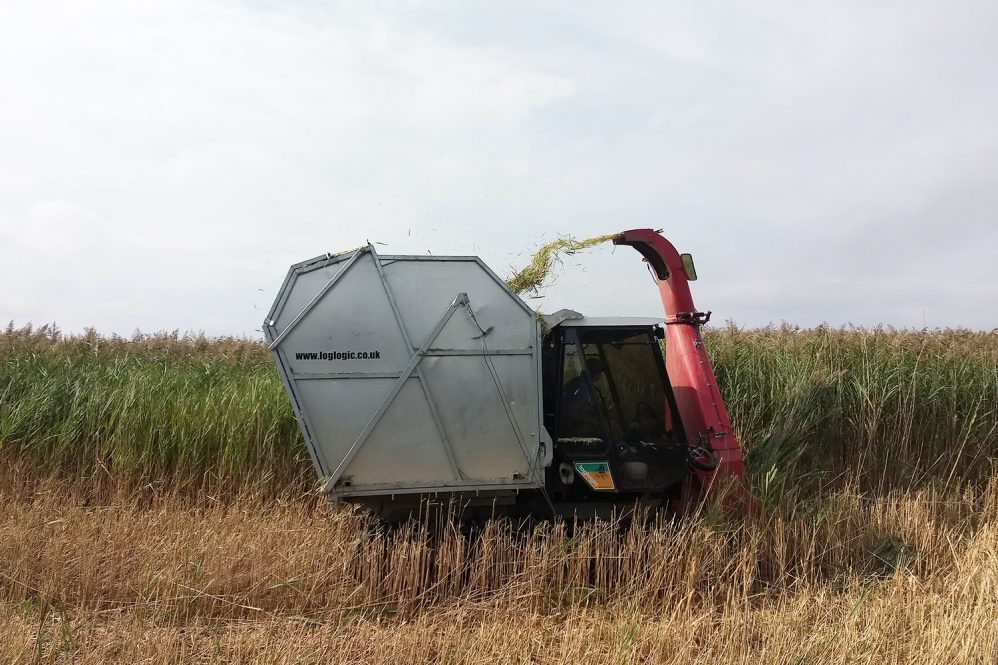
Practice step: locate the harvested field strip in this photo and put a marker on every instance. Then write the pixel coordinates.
(879, 407)
(895, 624)
(910, 577)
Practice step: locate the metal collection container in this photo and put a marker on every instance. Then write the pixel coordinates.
(411, 374)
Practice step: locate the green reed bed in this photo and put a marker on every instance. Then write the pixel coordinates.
(880, 408)
(150, 405)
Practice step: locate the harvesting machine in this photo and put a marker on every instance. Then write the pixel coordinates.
(420, 379)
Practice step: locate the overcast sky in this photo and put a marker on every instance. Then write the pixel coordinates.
(163, 162)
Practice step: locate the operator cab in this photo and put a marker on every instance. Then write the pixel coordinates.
(610, 410)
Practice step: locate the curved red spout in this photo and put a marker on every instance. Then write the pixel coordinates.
(700, 404)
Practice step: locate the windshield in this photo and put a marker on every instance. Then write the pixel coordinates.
(626, 388)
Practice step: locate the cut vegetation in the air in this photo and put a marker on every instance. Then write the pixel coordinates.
(531, 277)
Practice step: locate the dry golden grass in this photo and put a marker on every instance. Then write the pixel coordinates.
(133, 574)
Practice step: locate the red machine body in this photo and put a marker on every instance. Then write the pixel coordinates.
(698, 399)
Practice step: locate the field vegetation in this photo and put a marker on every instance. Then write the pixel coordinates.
(156, 504)
(883, 408)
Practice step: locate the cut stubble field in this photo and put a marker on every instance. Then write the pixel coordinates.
(156, 506)
(143, 576)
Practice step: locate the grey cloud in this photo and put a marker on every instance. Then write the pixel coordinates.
(173, 158)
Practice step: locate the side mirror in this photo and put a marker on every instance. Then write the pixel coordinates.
(691, 271)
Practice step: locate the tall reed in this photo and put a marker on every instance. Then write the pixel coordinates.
(883, 407)
(149, 405)
(880, 408)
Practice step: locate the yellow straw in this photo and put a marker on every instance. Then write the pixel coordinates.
(532, 276)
